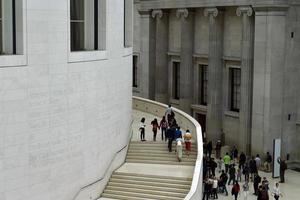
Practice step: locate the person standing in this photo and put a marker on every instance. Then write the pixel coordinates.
(214, 188)
(235, 190)
(283, 167)
(246, 172)
(142, 129)
(242, 160)
(231, 174)
(258, 162)
(256, 181)
(209, 148)
(246, 190)
(155, 126)
(252, 167)
(213, 166)
(188, 141)
(227, 161)
(267, 164)
(218, 148)
(163, 127)
(169, 112)
(223, 181)
(276, 191)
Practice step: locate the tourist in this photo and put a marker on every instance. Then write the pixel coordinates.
(213, 166)
(264, 194)
(188, 142)
(218, 148)
(258, 162)
(223, 181)
(215, 188)
(276, 191)
(234, 154)
(179, 143)
(253, 168)
(246, 190)
(235, 190)
(220, 163)
(155, 126)
(283, 167)
(171, 137)
(169, 112)
(163, 127)
(227, 161)
(142, 129)
(207, 188)
(209, 148)
(256, 182)
(231, 174)
(242, 160)
(178, 133)
(267, 163)
(246, 172)
(239, 175)
(265, 183)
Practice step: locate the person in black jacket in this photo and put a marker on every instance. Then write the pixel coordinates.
(252, 167)
(256, 181)
(171, 136)
(213, 166)
(231, 174)
(283, 167)
(242, 160)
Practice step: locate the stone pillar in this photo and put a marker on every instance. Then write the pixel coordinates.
(269, 62)
(147, 54)
(215, 71)
(161, 64)
(186, 59)
(246, 77)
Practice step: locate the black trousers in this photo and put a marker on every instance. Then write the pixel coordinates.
(142, 134)
(282, 176)
(163, 133)
(154, 135)
(170, 141)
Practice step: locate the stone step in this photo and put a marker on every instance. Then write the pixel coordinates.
(151, 179)
(151, 148)
(162, 155)
(149, 187)
(159, 191)
(160, 162)
(164, 152)
(142, 195)
(114, 181)
(171, 158)
(153, 176)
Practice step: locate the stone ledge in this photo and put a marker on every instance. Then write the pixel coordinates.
(232, 114)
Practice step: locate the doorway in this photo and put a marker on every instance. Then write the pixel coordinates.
(202, 121)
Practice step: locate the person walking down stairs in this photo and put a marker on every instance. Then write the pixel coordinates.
(142, 129)
(155, 126)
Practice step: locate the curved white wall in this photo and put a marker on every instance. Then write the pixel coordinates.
(61, 123)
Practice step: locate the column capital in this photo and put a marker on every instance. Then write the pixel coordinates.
(183, 12)
(211, 11)
(244, 10)
(157, 13)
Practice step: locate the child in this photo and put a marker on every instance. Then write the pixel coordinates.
(179, 142)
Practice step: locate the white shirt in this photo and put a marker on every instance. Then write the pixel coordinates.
(276, 191)
(215, 184)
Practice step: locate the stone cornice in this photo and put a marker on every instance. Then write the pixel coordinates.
(244, 10)
(176, 4)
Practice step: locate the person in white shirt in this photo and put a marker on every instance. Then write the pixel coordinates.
(142, 129)
(246, 190)
(214, 188)
(258, 161)
(276, 191)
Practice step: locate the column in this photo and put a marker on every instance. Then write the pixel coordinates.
(186, 58)
(246, 77)
(161, 63)
(215, 71)
(147, 57)
(268, 76)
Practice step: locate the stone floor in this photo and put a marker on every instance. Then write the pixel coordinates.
(290, 189)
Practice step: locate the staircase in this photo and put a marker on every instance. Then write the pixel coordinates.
(134, 186)
(157, 153)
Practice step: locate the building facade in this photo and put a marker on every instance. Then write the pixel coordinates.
(233, 65)
(65, 93)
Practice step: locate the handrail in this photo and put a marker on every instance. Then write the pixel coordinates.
(110, 163)
(196, 186)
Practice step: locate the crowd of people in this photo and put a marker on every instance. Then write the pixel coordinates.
(170, 131)
(235, 167)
